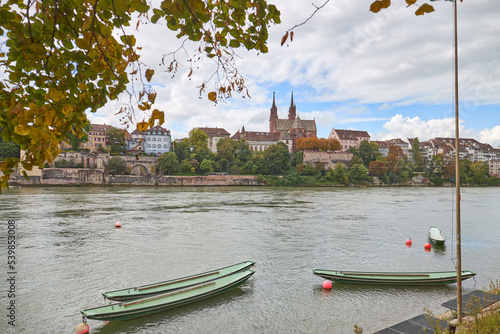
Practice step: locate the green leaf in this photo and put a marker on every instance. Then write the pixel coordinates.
(140, 5)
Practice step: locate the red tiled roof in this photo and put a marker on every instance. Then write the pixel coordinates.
(215, 132)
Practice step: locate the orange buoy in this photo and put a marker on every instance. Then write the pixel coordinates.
(408, 242)
(118, 224)
(82, 328)
(327, 284)
(427, 246)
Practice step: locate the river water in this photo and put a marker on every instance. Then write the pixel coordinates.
(68, 252)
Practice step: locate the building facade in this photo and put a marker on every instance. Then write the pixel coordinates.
(260, 141)
(214, 135)
(97, 137)
(157, 140)
(348, 138)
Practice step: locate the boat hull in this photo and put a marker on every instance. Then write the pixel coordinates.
(394, 278)
(149, 290)
(145, 306)
(436, 236)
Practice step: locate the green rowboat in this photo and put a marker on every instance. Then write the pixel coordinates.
(141, 307)
(393, 278)
(175, 284)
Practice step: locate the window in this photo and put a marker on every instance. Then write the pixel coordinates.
(165, 146)
(149, 145)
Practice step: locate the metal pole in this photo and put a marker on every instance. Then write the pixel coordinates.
(457, 178)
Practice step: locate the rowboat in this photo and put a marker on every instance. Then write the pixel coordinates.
(175, 284)
(141, 307)
(393, 278)
(436, 236)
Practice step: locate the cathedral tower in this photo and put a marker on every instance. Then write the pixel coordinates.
(274, 116)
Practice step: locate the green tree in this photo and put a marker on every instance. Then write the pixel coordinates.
(75, 141)
(206, 166)
(226, 149)
(116, 166)
(256, 165)
(64, 59)
(198, 139)
(367, 152)
(479, 171)
(277, 158)
(185, 166)
(8, 149)
(167, 163)
(358, 174)
(182, 149)
(340, 174)
(418, 156)
(117, 143)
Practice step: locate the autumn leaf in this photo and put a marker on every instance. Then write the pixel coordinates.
(284, 38)
(149, 74)
(410, 2)
(376, 6)
(142, 126)
(425, 8)
(212, 96)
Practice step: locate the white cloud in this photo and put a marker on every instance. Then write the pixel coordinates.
(349, 57)
(491, 136)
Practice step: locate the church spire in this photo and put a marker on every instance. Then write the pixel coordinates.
(274, 115)
(292, 112)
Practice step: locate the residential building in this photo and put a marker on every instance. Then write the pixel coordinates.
(348, 138)
(214, 135)
(157, 140)
(97, 137)
(135, 142)
(260, 141)
(494, 167)
(383, 147)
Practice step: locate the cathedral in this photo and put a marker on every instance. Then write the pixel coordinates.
(293, 125)
(286, 130)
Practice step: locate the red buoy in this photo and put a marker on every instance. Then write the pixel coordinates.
(118, 224)
(327, 284)
(82, 328)
(427, 246)
(408, 242)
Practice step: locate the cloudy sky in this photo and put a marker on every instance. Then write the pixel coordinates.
(390, 73)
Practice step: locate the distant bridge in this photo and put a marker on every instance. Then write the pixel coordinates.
(140, 165)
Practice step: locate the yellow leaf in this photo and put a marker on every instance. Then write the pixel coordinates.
(56, 95)
(142, 126)
(212, 96)
(67, 109)
(21, 129)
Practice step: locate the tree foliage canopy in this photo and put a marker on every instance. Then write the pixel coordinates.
(64, 58)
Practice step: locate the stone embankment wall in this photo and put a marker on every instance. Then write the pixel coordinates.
(330, 159)
(75, 176)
